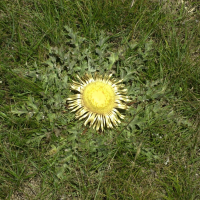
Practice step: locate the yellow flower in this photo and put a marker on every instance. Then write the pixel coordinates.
(98, 100)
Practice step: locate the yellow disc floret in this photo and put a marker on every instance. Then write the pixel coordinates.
(99, 97)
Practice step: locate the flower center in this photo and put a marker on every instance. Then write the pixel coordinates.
(99, 97)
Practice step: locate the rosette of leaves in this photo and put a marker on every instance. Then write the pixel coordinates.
(52, 116)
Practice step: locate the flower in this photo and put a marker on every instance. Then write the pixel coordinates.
(98, 99)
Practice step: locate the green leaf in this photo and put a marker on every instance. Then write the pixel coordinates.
(51, 117)
(128, 74)
(112, 59)
(36, 139)
(60, 171)
(19, 111)
(31, 104)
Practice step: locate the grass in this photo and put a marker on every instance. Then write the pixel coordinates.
(47, 154)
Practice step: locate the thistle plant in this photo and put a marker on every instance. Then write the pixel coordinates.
(103, 88)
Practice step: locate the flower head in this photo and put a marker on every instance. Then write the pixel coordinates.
(98, 100)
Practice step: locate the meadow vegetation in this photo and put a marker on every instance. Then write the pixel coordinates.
(45, 153)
